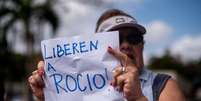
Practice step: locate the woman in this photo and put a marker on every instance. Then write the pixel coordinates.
(131, 78)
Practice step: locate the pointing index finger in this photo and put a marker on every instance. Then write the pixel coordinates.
(123, 58)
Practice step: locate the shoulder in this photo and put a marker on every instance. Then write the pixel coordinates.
(171, 92)
(165, 87)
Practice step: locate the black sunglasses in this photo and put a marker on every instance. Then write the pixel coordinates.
(132, 37)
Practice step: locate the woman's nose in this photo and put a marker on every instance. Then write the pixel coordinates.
(124, 45)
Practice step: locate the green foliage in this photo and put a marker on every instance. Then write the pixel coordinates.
(24, 11)
(12, 67)
(189, 71)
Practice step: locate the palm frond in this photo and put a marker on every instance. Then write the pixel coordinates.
(5, 11)
(47, 13)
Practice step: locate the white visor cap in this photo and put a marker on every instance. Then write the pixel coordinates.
(116, 22)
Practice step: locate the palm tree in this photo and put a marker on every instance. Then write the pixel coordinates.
(25, 12)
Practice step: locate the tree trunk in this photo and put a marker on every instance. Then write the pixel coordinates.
(29, 55)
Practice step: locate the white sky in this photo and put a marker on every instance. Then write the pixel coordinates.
(80, 16)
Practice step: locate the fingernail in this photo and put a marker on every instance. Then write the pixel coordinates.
(41, 72)
(110, 50)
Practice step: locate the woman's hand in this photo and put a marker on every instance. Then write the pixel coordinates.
(36, 82)
(126, 77)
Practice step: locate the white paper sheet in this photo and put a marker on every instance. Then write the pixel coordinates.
(79, 68)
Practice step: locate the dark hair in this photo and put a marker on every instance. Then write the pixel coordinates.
(109, 13)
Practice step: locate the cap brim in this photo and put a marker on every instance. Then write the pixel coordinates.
(140, 28)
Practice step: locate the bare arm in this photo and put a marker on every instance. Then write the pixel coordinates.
(171, 92)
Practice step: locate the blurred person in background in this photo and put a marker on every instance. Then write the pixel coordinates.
(135, 81)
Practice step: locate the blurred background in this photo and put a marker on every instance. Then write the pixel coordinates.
(173, 39)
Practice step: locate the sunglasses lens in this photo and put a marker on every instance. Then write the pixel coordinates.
(130, 35)
(135, 39)
(131, 39)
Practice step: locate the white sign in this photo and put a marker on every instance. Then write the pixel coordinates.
(79, 68)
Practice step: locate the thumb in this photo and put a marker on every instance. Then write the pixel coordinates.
(40, 67)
